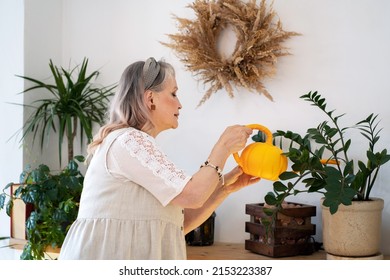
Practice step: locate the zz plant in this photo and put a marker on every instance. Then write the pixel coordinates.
(321, 163)
(55, 199)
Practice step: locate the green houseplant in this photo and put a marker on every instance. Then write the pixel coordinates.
(325, 165)
(55, 199)
(321, 164)
(74, 104)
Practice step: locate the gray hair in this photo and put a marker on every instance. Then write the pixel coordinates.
(128, 105)
(128, 108)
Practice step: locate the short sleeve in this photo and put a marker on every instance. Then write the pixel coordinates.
(135, 156)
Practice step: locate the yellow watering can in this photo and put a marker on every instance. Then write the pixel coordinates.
(262, 160)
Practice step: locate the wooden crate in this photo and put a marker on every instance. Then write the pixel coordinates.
(289, 236)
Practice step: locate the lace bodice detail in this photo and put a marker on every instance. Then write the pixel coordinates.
(143, 147)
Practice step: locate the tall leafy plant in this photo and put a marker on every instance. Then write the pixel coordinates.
(74, 104)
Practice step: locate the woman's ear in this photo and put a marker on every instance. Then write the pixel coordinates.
(149, 100)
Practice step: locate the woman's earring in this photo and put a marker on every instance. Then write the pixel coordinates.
(152, 107)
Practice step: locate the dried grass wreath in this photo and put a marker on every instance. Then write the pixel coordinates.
(259, 37)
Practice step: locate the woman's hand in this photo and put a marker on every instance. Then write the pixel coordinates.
(204, 183)
(234, 138)
(237, 179)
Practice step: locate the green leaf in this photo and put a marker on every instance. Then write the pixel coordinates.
(279, 187)
(330, 132)
(27, 252)
(79, 158)
(333, 208)
(2, 200)
(347, 145)
(371, 156)
(29, 196)
(270, 199)
(32, 221)
(333, 205)
(9, 185)
(9, 207)
(19, 191)
(259, 137)
(348, 169)
(332, 172)
(349, 194)
(363, 167)
(384, 158)
(359, 180)
(345, 200)
(269, 211)
(288, 175)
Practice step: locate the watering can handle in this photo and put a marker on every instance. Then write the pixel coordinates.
(262, 128)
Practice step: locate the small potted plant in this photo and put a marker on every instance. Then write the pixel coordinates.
(275, 232)
(321, 164)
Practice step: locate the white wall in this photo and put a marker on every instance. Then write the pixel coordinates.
(43, 41)
(342, 53)
(11, 57)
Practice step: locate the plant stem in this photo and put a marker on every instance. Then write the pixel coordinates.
(371, 183)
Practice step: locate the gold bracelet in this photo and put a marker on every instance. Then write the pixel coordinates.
(219, 170)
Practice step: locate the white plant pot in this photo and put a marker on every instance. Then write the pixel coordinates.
(354, 230)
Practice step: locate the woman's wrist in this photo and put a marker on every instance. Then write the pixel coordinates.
(217, 169)
(219, 155)
(223, 191)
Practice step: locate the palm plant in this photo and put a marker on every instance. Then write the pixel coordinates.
(74, 104)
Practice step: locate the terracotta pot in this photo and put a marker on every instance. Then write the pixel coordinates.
(354, 230)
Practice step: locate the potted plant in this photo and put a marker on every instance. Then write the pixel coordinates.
(55, 199)
(321, 164)
(284, 233)
(74, 104)
(274, 232)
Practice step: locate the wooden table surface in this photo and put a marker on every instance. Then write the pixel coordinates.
(217, 251)
(229, 251)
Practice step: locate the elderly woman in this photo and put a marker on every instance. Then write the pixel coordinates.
(136, 203)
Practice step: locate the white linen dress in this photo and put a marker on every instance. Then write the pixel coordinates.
(124, 209)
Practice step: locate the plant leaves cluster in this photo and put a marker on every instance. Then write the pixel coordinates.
(74, 104)
(55, 199)
(321, 164)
